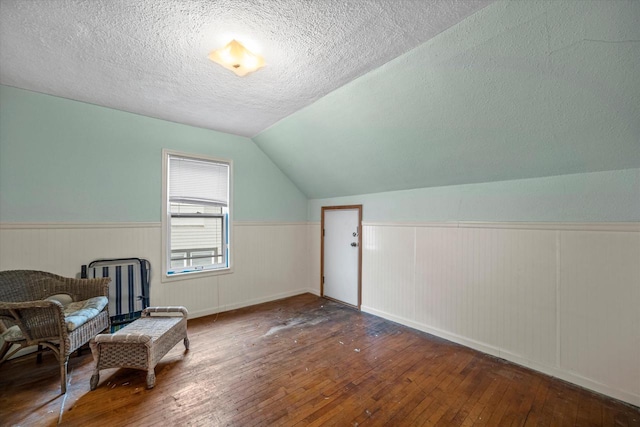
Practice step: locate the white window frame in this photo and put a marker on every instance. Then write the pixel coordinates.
(166, 233)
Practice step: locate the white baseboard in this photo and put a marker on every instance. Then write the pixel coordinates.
(313, 291)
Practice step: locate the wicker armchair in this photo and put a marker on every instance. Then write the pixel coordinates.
(36, 321)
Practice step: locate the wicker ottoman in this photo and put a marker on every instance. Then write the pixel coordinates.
(141, 344)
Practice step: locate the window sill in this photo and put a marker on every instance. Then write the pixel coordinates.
(166, 278)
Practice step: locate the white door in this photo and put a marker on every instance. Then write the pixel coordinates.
(341, 254)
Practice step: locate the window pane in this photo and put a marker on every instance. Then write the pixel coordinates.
(178, 259)
(195, 233)
(196, 213)
(200, 239)
(204, 257)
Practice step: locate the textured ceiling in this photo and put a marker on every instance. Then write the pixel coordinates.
(150, 56)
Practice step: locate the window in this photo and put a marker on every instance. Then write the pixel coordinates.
(196, 213)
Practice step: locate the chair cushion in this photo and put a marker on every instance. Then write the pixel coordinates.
(78, 313)
(13, 334)
(64, 299)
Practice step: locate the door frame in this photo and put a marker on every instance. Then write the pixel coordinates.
(346, 207)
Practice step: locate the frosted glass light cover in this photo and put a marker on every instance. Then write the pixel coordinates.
(237, 58)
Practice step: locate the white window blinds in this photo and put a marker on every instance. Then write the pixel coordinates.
(198, 182)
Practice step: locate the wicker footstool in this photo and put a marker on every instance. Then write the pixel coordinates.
(141, 344)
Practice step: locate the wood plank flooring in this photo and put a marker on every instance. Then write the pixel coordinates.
(304, 361)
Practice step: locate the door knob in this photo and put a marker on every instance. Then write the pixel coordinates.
(354, 244)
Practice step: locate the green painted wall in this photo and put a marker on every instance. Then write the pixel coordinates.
(66, 161)
(612, 196)
(520, 89)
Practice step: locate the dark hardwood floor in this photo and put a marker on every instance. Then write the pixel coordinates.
(304, 361)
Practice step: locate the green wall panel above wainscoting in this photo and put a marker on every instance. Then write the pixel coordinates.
(611, 196)
(67, 161)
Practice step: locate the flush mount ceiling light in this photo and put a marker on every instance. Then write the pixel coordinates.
(237, 58)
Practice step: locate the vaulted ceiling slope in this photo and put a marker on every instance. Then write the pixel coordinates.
(150, 56)
(517, 90)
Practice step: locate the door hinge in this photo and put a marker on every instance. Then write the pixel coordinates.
(323, 280)
(323, 232)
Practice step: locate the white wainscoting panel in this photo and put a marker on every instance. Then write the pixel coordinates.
(437, 269)
(600, 306)
(271, 260)
(63, 248)
(560, 298)
(388, 256)
(200, 295)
